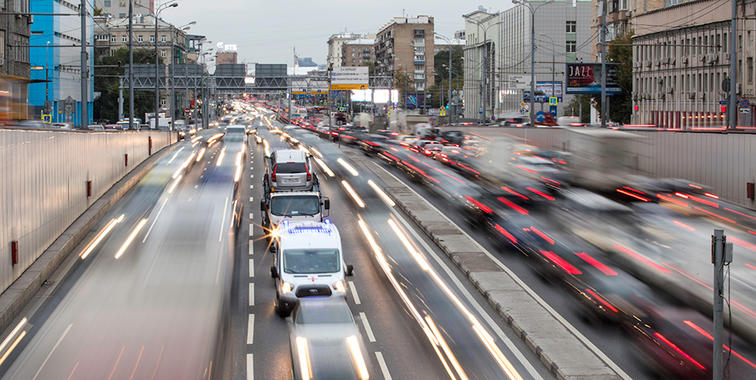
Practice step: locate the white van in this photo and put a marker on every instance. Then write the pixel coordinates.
(308, 263)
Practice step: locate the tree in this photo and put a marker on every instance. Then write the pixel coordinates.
(620, 51)
(106, 73)
(441, 60)
(403, 82)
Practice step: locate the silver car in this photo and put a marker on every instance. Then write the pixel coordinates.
(325, 341)
(289, 170)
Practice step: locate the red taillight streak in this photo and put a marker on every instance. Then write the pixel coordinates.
(678, 350)
(752, 232)
(633, 190)
(715, 215)
(526, 169)
(633, 195)
(704, 201)
(552, 181)
(683, 225)
(447, 174)
(481, 206)
(742, 243)
(421, 172)
(389, 155)
(681, 195)
(542, 235)
(513, 206)
(744, 309)
(695, 186)
(514, 193)
(751, 266)
(506, 233)
(468, 168)
(710, 195)
(598, 264)
(741, 214)
(483, 137)
(603, 301)
(560, 262)
(707, 335)
(672, 200)
(641, 258)
(549, 197)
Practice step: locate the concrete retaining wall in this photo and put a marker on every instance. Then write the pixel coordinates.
(44, 178)
(726, 162)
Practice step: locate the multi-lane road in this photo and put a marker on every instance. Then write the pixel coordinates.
(168, 286)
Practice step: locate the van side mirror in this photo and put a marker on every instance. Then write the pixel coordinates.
(349, 270)
(262, 205)
(273, 272)
(327, 204)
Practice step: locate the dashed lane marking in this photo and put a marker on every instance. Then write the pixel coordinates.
(251, 267)
(354, 293)
(251, 294)
(251, 329)
(251, 367)
(366, 324)
(382, 365)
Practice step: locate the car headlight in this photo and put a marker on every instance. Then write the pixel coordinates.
(286, 287)
(340, 286)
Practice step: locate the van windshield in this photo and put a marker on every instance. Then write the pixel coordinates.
(309, 261)
(294, 205)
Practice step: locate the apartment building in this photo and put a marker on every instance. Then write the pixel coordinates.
(226, 58)
(499, 44)
(335, 49)
(404, 49)
(359, 52)
(680, 59)
(120, 8)
(113, 34)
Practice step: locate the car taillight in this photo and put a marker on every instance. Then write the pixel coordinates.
(309, 175)
(273, 175)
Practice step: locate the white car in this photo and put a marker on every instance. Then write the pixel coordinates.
(308, 263)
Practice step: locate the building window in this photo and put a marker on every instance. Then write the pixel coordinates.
(749, 67)
(162, 38)
(107, 3)
(122, 15)
(123, 38)
(571, 26)
(123, 3)
(139, 38)
(623, 5)
(162, 53)
(112, 38)
(571, 46)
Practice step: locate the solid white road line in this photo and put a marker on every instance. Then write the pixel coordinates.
(225, 207)
(251, 294)
(51, 351)
(366, 324)
(250, 329)
(251, 267)
(250, 367)
(160, 210)
(251, 229)
(354, 293)
(527, 289)
(382, 364)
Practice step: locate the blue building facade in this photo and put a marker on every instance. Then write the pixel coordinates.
(54, 59)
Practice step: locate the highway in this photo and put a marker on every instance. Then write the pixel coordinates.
(174, 281)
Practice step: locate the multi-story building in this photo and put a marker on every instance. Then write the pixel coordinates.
(225, 58)
(358, 52)
(441, 44)
(120, 8)
(681, 58)
(404, 51)
(335, 42)
(14, 59)
(498, 45)
(56, 58)
(172, 42)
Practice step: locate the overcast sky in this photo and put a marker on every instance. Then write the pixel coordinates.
(266, 31)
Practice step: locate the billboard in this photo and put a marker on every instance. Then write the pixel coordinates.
(311, 86)
(547, 88)
(350, 78)
(585, 78)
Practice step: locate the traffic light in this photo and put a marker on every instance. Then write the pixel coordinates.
(447, 106)
(723, 108)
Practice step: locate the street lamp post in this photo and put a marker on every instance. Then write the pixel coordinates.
(532, 53)
(157, 59)
(183, 28)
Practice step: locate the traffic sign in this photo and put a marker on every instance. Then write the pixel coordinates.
(442, 112)
(518, 81)
(553, 110)
(744, 103)
(540, 116)
(350, 78)
(480, 111)
(723, 102)
(68, 105)
(553, 101)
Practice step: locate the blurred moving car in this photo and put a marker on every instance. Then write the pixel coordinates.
(325, 341)
(96, 127)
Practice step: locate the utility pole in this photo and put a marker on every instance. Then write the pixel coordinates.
(450, 83)
(603, 63)
(721, 255)
(157, 73)
(328, 99)
(484, 68)
(120, 98)
(173, 87)
(731, 107)
(131, 65)
(84, 67)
